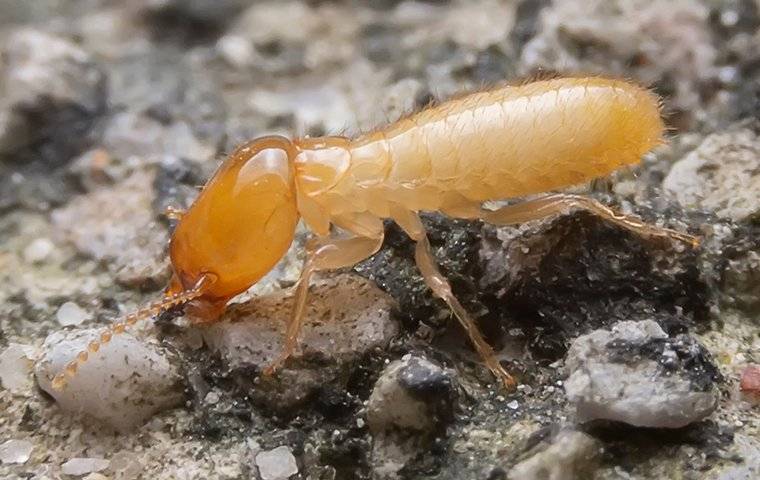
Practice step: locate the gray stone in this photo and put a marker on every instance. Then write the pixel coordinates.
(411, 394)
(567, 456)
(16, 368)
(411, 401)
(721, 175)
(80, 466)
(123, 384)
(15, 451)
(347, 318)
(117, 226)
(276, 464)
(634, 373)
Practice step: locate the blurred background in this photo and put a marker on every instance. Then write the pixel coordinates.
(110, 111)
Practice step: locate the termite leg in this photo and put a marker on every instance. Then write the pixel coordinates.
(410, 222)
(323, 254)
(563, 203)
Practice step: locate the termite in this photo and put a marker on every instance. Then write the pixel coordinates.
(509, 142)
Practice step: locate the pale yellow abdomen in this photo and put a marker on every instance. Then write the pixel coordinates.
(521, 140)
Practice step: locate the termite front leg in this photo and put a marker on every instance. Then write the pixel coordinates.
(328, 253)
(562, 203)
(410, 222)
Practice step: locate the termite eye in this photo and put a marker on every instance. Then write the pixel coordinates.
(265, 162)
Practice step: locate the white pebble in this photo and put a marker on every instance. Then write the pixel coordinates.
(513, 405)
(71, 314)
(38, 251)
(276, 464)
(15, 451)
(82, 466)
(15, 367)
(123, 384)
(237, 50)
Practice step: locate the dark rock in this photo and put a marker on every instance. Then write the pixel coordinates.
(566, 276)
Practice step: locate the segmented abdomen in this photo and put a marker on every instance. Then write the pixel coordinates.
(517, 140)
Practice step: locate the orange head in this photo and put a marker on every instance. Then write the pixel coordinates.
(240, 226)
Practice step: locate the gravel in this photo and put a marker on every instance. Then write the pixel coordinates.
(112, 111)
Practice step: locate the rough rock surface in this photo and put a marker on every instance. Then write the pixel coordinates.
(112, 111)
(566, 456)
(349, 318)
(412, 401)
(634, 373)
(123, 384)
(720, 175)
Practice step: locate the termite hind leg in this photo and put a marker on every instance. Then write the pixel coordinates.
(563, 203)
(410, 222)
(323, 254)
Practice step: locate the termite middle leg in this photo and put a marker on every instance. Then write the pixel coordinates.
(410, 222)
(563, 203)
(327, 253)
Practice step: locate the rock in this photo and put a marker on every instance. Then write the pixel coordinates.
(117, 226)
(565, 276)
(411, 394)
(347, 318)
(636, 374)
(411, 403)
(123, 384)
(567, 456)
(276, 464)
(70, 314)
(15, 368)
(15, 451)
(39, 68)
(721, 175)
(39, 250)
(82, 466)
(51, 92)
(129, 135)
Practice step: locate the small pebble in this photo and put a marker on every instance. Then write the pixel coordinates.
(15, 451)
(15, 367)
(513, 405)
(276, 464)
(82, 466)
(38, 251)
(134, 378)
(750, 381)
(71, 314)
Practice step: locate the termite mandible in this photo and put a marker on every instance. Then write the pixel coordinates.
(499, 144)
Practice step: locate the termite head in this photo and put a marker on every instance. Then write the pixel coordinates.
(240, 226)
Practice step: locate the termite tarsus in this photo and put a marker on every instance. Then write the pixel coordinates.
(507, 142)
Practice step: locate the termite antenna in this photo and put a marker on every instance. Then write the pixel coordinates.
(169, 301)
